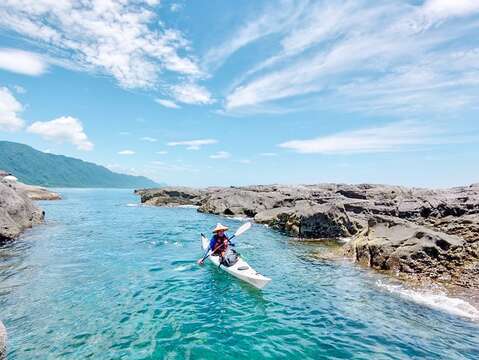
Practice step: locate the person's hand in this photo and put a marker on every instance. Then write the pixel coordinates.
(200, 262)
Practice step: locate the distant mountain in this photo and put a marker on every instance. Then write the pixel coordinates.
(38, 168)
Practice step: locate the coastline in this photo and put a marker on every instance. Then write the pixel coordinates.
(412, 233)
(18, 211)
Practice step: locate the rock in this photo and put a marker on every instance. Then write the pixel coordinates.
(3, 342)
(310, 221)
(36, 192)
(433, 233)
(390, 243)
(17, 212)
(168, 196)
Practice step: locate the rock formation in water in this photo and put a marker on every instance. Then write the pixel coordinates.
(3, 342)
(433, 233)
(17, 211)
(33, 192)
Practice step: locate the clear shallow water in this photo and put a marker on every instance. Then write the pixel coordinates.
(105, 279)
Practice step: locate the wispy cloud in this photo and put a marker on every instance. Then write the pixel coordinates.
(273, 19)
(162, 152)
(167, 103)
(63, 129)
(193, 94)
(335, 46)
(392, 137)
(221, 155)
(22, 62)
(10, 109)
(126, 152)
(193, 144)
(19, 89)
(124, 39)
(148, 139)
(166, 167)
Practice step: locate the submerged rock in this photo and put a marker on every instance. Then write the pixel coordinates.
(409, 230)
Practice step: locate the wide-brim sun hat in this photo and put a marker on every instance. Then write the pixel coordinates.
(220, 227)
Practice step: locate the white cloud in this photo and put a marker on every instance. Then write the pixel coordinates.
(391, 137)
(272, 20)
(19, 89)
(9, 110)
(124, 39)
(63, 129)
(193, 144)
(173, 168)
(126, 152)
(175, 7)
(22, 62)
(333, 45)
(167, 103)
(439, 9)
(149, 139)
(221, 155)
(163, 152)
(190, 93)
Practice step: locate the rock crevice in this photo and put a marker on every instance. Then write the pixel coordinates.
(433, 233)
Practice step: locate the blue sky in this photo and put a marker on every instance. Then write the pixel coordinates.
(245, 92)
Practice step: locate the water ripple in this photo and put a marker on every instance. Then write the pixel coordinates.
(107, 281)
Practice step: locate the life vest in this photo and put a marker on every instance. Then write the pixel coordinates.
(217, 248)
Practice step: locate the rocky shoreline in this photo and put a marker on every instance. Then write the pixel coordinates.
(17, 210)
(417, 232)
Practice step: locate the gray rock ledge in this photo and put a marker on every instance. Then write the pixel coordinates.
(415, 231)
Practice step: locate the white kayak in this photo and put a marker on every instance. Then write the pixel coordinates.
(240, 269)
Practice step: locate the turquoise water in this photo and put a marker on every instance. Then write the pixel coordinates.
(107, 280)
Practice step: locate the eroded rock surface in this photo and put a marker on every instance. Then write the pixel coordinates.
(409, 230)
(17, 212)
(36, 192)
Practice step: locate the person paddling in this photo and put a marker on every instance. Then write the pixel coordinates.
(218, 243)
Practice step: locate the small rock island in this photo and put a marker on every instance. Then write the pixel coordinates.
(417, 232)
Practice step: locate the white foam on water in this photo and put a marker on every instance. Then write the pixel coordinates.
(132, 205)
(435, 299)
(188, 206)
(239, 218)
(345, 240)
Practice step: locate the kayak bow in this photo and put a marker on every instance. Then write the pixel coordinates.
(240, 269)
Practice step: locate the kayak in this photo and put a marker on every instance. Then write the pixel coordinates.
(240, 269)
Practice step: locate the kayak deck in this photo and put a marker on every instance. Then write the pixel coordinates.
(240, 269)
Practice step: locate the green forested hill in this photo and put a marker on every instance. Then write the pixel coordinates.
(38, 168)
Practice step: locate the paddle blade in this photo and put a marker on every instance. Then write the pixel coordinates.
(243, 228)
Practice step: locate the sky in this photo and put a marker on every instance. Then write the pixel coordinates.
(240, 92)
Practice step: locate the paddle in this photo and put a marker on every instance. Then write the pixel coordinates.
(241, 229)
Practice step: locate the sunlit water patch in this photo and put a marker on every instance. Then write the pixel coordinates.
(103, 280)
